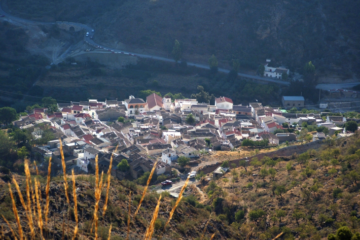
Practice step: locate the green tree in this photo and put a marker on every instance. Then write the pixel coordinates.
(344, 233)
(280, 213)
(256, 214)
(19, 136)
(49, 103)
(297, 215)
(7, 115)
(225, 164)
(183, 161)
(190, 119)
(260, 70)
(213, 64)
(351, 126)
(272, 173)
(284, 76)
(255, 163)
(263, 173)
(309, 68)
(331, 237)
(356, 236)
(203, 96)
(121, 119)
(176, 51)
(22, 152)
(243, 164)
(123, 166)
(239, 215)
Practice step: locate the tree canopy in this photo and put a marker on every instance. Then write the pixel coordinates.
(123, 166)
(202, 96)
(183, 161)
(351, 126)
(7, 115)
(190, 119)
(176, 51)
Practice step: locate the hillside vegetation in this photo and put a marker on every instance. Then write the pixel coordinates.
(308, 196)
(289, 32)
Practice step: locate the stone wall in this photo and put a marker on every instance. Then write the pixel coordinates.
(287, 151)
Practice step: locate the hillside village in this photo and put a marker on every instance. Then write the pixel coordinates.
(163, 129)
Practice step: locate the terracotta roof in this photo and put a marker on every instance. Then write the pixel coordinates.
(77, 108)
(223, 99)
(68, 110)
(83, 115)
(87, 137)
(66, 126)
(271, 125)
(154, 100)
(37, 116)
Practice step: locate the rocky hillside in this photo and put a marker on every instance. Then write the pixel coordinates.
(188, 221)
(289, 32)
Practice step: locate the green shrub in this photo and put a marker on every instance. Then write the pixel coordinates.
(337, 192)
(239, 215)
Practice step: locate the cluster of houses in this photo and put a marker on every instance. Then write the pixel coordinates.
(157, 129)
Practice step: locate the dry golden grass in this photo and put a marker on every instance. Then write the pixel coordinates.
(37, 170)
(109, 237)
(28, 213)
(202, 236)
(38, 202)
(279, 235)
(75, 204)
(177, 202)
(16, 214)
(212, 237)
(146, 187)
(150, 230)
(64, 172)
(129, 217)
(12, 231)
(46, 211)
(108, 182)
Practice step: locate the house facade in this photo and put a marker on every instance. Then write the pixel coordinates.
(134, 106)
(224, 103)
(293, 101)
(274, 72)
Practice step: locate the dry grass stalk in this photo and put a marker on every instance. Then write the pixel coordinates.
(75, 232)
(96, 172)
(145, 189)
(108, 182)
(28, 213)
(47, 192)
(109, 237)
(16, 213)
(37, 170)
(98, 189)
(75, 204)
(206, 227)
(279, 235)
(212, 237)
(177, 202)
(12, 231)
(129, 217)
(28, 185)
(63, 228)
(150, 230)
(64, 172)
(38, 202)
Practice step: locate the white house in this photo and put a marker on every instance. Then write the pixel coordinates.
(167, 104)
(90, 153)
(82, 164)
(274, 72)
(185, 103)
(134, 106)
(224, 103)
(168, 156)
(170, 135)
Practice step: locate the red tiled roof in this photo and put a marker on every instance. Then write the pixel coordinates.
(154, 100)
(77, 108)
(37, 116)
(87, 137)
(68, 110)
(51, 116)
(66, 126)
(82, 115)
(223, 99)
(39, 110)
(229, 133)
(222, 121)
(271, 125)
(58, 114)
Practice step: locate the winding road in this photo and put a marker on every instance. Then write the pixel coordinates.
(88, 38)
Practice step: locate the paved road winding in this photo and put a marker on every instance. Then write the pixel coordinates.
(88, 38)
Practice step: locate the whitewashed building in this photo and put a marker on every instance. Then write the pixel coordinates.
(274, 72)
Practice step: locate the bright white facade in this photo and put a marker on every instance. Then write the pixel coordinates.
(274, 72)
(185, 103)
